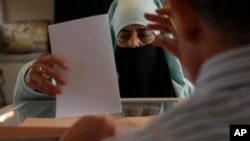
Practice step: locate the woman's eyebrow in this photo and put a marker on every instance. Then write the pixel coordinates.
(139, 28)
(142, 28)
(125, 30)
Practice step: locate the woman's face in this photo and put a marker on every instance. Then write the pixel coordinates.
(135, 35)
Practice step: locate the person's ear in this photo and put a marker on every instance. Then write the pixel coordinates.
(186, 20)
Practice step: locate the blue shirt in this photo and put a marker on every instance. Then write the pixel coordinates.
(221, 98)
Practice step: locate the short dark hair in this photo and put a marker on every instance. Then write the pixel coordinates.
(230, 18)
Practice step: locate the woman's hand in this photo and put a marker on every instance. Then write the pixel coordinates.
(162, 21)
(42, 70)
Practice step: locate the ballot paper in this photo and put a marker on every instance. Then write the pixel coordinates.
(92, 83)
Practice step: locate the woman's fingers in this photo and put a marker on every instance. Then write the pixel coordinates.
(53, 60)
(41, 73)
(41, 83)
(158, 19)
(157, 27)
(162, 21)
(164, 11)
(49, 72)
(167, 44)
(45, 65)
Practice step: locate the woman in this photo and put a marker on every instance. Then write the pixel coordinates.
(143, 70)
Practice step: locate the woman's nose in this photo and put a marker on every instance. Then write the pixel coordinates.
(134, 41)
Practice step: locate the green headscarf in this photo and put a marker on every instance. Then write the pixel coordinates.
(126, 12)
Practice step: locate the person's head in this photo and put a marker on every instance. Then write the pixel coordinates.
(128, 24)
(206, 28)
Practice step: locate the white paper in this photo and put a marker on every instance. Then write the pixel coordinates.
(92, 88)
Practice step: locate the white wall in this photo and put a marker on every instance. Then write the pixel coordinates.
(19, 10)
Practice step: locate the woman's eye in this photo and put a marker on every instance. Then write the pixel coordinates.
(123, 37)
(144, 36)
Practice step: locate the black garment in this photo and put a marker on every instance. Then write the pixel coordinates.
(143, 72)
(73, 9)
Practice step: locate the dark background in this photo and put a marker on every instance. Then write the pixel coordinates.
(66, 10)
(73, 9)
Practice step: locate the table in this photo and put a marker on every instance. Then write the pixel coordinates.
(16, 113)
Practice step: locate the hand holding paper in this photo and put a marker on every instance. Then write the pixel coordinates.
(92, 88)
